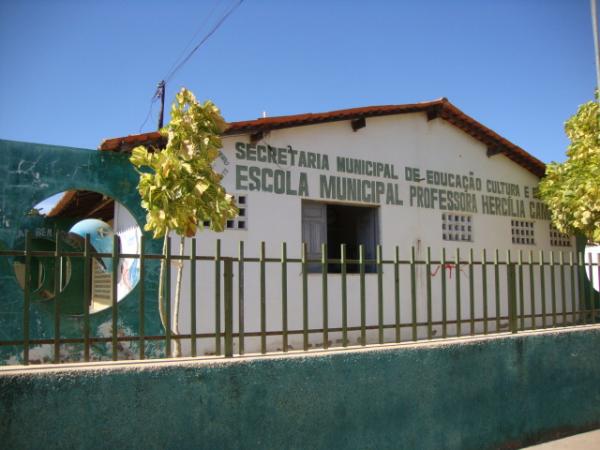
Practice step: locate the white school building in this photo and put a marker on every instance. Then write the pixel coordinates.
(418, 176)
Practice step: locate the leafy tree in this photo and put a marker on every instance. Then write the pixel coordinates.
(572, 189)
(178, 186)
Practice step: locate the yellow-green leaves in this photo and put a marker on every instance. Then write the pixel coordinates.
(179, 188)
(139, 156)
(572, 189)
(201, 186)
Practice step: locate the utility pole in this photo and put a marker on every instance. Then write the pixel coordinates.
(596, 44)
(160, 93)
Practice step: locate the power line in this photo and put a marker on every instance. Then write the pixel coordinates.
(204, 39)
(159, 94)
(193, 38)
(152, 101)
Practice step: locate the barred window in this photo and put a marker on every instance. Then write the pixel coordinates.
(457, 227)
(241, 221)
(522, 232)
(558, 239)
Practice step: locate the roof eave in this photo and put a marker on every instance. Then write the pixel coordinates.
(441, 108)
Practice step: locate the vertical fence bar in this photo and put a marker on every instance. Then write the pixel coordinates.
(509, 291)
(193, 298)
(218, 297)
(57, 286)
(324, 296)
(263, 301)
(413, 293)
(521, 291)
(26, 297)
(532, 289)
(363, 307)
(284, 299)
(543, 288)
(592, 294)
(497, 288)
(471, 294)
(228, 303)
(484, 290)
(343, 269)
(428, 287)
(241, 324)
(397, 293)
(457, 286)
(512, 294)
(573, 289)
(553, 288)
(380, 293)
(444, 296)
(142, 300)
(304, 297)
(167, 294)
(581, 291)
(563, 296)
(114, 296)
(86, 297)
(598, 275)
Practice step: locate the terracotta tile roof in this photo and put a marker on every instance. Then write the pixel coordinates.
(441, 108)
(273, 123)
(125, 144)
(64, 201)
(83, 204)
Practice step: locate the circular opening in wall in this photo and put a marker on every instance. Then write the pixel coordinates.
(69, 217)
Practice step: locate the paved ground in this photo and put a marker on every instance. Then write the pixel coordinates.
(583, 441)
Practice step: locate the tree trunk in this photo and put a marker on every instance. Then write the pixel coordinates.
(162, 311)
(177, 342)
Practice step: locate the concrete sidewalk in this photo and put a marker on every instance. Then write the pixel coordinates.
(583, 441)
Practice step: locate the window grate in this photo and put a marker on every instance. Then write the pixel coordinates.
(457, 227)
(241, 221)
(522, 232)
(558, 239)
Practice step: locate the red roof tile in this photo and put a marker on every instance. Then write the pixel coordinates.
(437, 108)
(125, 144)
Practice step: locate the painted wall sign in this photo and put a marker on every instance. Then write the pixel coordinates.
(424, 188)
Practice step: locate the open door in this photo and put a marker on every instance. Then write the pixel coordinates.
(314, 231)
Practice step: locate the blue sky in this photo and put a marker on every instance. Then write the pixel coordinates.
(76, 72)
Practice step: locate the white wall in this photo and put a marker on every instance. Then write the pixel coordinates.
(405, 141)
(592, 253)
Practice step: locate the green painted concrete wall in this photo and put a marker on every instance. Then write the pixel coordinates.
(498, 393)
(30, 173)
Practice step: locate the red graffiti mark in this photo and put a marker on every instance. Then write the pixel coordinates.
(447, 266)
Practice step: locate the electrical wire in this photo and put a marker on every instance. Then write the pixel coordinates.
(152, 102)
(177, 66)
(204, 39)
(191, 41)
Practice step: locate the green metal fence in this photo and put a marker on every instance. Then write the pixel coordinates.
(419, 297)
